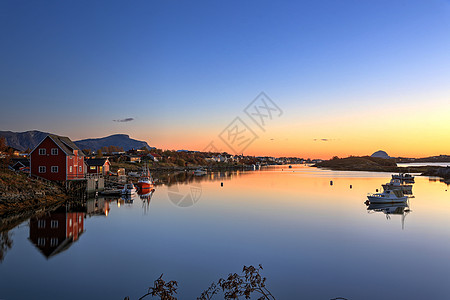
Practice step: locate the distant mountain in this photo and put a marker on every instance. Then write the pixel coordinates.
(23, 140)
(380, 154)
(119, 140)
(29, 139)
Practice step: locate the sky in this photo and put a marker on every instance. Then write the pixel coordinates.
(342, 77)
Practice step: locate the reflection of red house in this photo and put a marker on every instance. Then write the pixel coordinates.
(57, 231)
(57, 158)
(97, 166)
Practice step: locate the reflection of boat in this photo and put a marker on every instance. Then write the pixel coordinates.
(200, 172)
(389, 209)
(146, 198)
(387, 196)
(128, 189)
(396, 184)
(145, 182)
(408, 178)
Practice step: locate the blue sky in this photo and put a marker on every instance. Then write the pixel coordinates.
(184, 69)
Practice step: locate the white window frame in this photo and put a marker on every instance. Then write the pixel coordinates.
(54, 223)
(54, 151)
(54, 169)
(41, 223)
(42, 169)
(54, 242)
(41, 241)
(70, 169)
(80, 169)
(42, 151)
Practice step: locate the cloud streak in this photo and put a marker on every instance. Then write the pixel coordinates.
(124, 120)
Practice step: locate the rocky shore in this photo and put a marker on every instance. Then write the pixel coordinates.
(443, 172)
(371, 164)
(19, 192)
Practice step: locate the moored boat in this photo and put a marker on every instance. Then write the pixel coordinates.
(387, 196)
(408, 178)
(145, 182)
(200, 172)
(128, 189)
(396, 184)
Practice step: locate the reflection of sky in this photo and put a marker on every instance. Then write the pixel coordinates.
(314, 240)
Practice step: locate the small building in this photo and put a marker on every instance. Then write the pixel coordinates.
(97, 166)
(57, 158)
(20, 164)
(132, 158)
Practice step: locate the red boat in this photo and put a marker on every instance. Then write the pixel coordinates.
(145, 182)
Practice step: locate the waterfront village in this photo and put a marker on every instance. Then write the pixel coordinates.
(56, 166)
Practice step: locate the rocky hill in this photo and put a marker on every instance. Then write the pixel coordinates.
(23, 140)
(29, 139)
(380, 154)
(363, 163)
(119, 140)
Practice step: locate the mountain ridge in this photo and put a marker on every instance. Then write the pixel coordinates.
(29, 139)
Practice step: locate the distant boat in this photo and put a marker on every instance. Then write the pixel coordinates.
(200, 172)
(396, 184)
(408, 178)
(387, 196)
(145, 182)
(128, 189)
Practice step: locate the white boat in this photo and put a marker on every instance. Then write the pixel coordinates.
(404, 177)
(128, 189)
(397, 184)
(200, 172)
(387, 196)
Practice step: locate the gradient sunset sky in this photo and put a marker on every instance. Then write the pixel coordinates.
(351, 77)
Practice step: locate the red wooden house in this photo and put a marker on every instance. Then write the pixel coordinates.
(57, 158)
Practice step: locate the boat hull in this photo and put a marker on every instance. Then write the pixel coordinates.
(145, 186)
(375, 199)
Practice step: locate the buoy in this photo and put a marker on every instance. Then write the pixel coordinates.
(221, 184)
(331, 182)
(376, 190)
(350, 186)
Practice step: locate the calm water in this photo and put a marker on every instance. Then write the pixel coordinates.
(434, 164)
(314, 240)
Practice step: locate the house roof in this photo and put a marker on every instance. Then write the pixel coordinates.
(23, 161)
(96, 161)
(64, 143)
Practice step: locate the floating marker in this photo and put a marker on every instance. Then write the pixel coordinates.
(376, 190)
(350, 186)
(331, 182)
(221, 184)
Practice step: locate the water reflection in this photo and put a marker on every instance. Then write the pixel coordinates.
(189, 177)
(54, 232)
(399, 209)
(6, 243)
(146, 198)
